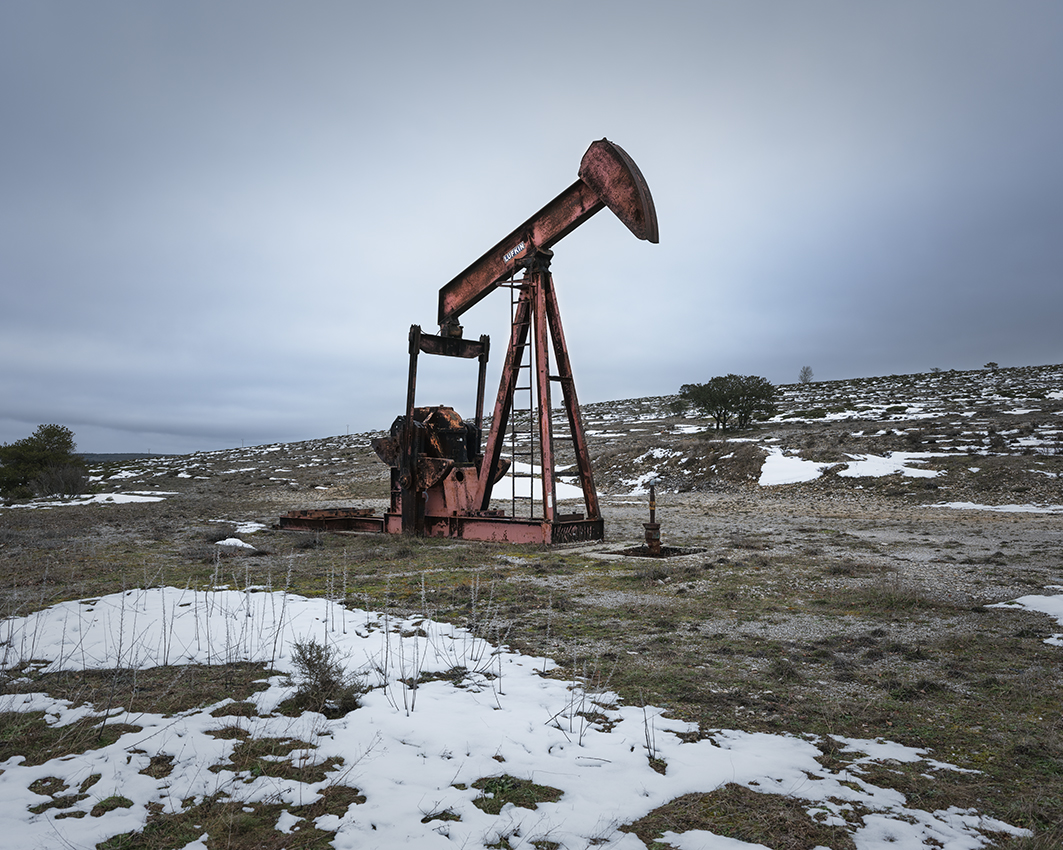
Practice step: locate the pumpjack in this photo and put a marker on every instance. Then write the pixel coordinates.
(443, 471)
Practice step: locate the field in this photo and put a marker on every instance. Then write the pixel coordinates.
(854, 652)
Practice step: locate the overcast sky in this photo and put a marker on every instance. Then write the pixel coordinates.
(218, 220)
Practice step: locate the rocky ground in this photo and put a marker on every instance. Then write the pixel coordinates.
(845, 603)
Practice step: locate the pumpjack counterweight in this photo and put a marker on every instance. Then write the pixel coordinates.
(443, 471)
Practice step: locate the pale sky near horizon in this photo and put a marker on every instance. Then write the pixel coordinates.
(220, 219)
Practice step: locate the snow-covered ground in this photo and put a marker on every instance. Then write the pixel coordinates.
(1051, 605)
(1006, 509)
(99, 499)
(782, 468)
(893, 425)
(412, 752)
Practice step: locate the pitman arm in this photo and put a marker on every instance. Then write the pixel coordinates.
(608, 177)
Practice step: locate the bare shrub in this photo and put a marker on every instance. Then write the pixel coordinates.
(65, 480)
(323, 683)
(1050, 449)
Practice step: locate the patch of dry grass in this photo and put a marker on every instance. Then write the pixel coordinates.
(161, 690)
(735, 811)
(237, 825)
(27, 734)
(498, 791)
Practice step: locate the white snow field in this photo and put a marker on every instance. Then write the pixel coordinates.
(412, 751)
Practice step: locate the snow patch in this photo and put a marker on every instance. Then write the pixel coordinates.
(406, 749)
(235, 542)
(876, 466)
(1050, 605)
(1006, 509)
(781, 468)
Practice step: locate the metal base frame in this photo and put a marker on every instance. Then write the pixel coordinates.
(531, 531)
(332, 519)
(501, 529)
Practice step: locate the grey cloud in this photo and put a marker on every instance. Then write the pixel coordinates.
(218, 222)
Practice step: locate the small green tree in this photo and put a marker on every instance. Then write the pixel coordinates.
(42, 461)
(737, 399)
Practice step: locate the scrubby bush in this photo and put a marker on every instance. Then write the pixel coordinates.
(66, 480)
(737, 399)
(322, 682)
(41, 461)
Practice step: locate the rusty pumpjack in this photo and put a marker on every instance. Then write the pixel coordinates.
(442, 472)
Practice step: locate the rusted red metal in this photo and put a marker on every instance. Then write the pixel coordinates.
(653, 528)
(608, 177)
(537, 316)
(615, 178)
(496, 527)
(442, 485)
(441, 481)
(332, 519)
(571, 403)
(507, 385)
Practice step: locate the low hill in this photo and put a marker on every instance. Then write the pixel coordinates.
(869, 581)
